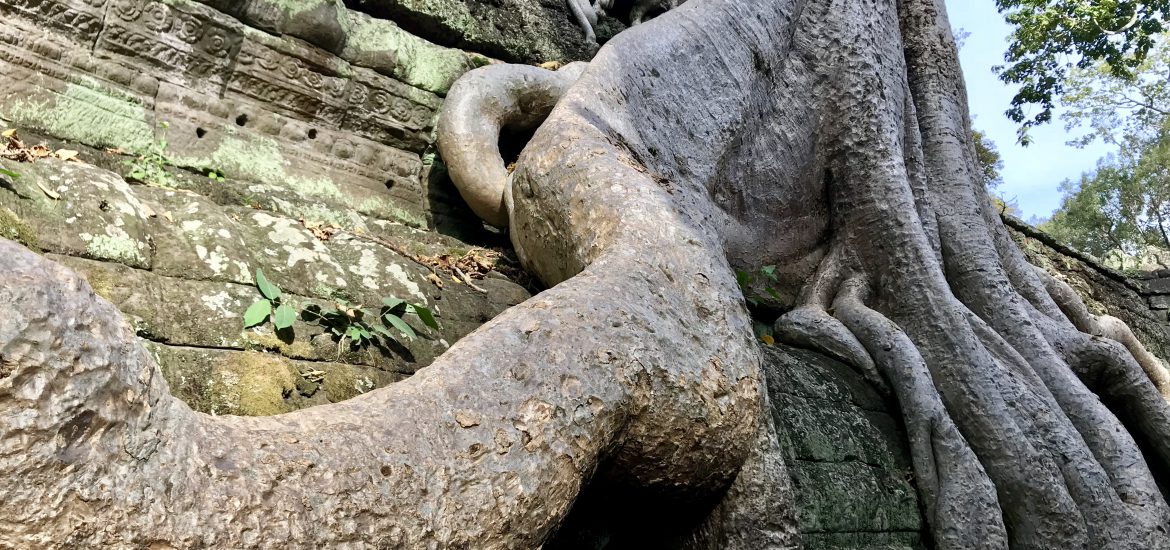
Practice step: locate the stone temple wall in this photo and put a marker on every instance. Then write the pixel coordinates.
(319, 117)
(320, 120)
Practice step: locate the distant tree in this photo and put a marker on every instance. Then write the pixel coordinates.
(1125, 111)
(1050, 37)
(1103, 213)
(989, 160)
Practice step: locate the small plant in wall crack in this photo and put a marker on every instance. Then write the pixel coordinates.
(746, 281)
(360, 326)
(747, 284)
(150, 168)
(269, 306)
(363, 327)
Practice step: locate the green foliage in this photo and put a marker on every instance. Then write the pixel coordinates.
(1120, 111)
(1050, 37)
(360, 326)
(270, 305)
(747, 284)
(1103, 214)
(990, 162)
(215, 175)
(8, 173)
(151, 167)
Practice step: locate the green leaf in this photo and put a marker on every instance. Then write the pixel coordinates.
(774, 294)
(284, 316)
(394, 303)
(353, 334)
(382, 330)
(425, 315)
(257, 313)
(769, 271)
(363, 332)
(9, 173)
(743, 278)
(269, 290)
(399, 324)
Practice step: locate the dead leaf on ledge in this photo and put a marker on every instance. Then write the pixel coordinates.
(8, 133)
(65, 154)
(49, 192)
(435, 280)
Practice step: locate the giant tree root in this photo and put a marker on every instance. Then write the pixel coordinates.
(828, 137)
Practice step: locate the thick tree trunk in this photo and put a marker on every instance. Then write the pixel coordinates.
(826, 136)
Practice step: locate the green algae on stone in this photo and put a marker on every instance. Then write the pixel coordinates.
(91, 114)
(15, 229)
(379, 208)
(258, 159)
(382, 45)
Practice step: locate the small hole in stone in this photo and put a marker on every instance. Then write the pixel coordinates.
(200, 132)
(313, 133)
(241, 120)
(389, 184)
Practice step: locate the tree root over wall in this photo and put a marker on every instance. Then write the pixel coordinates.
(828, 137)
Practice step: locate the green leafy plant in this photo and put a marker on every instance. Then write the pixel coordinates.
(747, 282)
(215, 175)
(360, 326)
(8, 173)
(363, 327)
(151, 167)
(269, 306)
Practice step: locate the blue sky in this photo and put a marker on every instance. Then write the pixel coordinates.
(1031, 175)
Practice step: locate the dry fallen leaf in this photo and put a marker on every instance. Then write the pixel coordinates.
(65, 154)
(49, 192)
(167, 215)
(551, 65)
(116, 151)
(434, 279)
(8, 133)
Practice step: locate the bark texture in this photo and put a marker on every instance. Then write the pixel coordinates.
(825, 136)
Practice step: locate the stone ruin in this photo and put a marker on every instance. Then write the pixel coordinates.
(298, 137)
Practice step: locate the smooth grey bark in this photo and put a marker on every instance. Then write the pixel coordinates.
(828, 137)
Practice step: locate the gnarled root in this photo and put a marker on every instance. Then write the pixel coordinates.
(481, 104)
(1106, 326)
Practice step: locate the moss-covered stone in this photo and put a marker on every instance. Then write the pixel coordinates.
(847, 457)
(251, 384)
(382, 45)
(521, 31)
(343, 382)
(297, 349)
(15, 229)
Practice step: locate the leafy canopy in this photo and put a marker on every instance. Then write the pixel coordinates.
(1051, 37)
